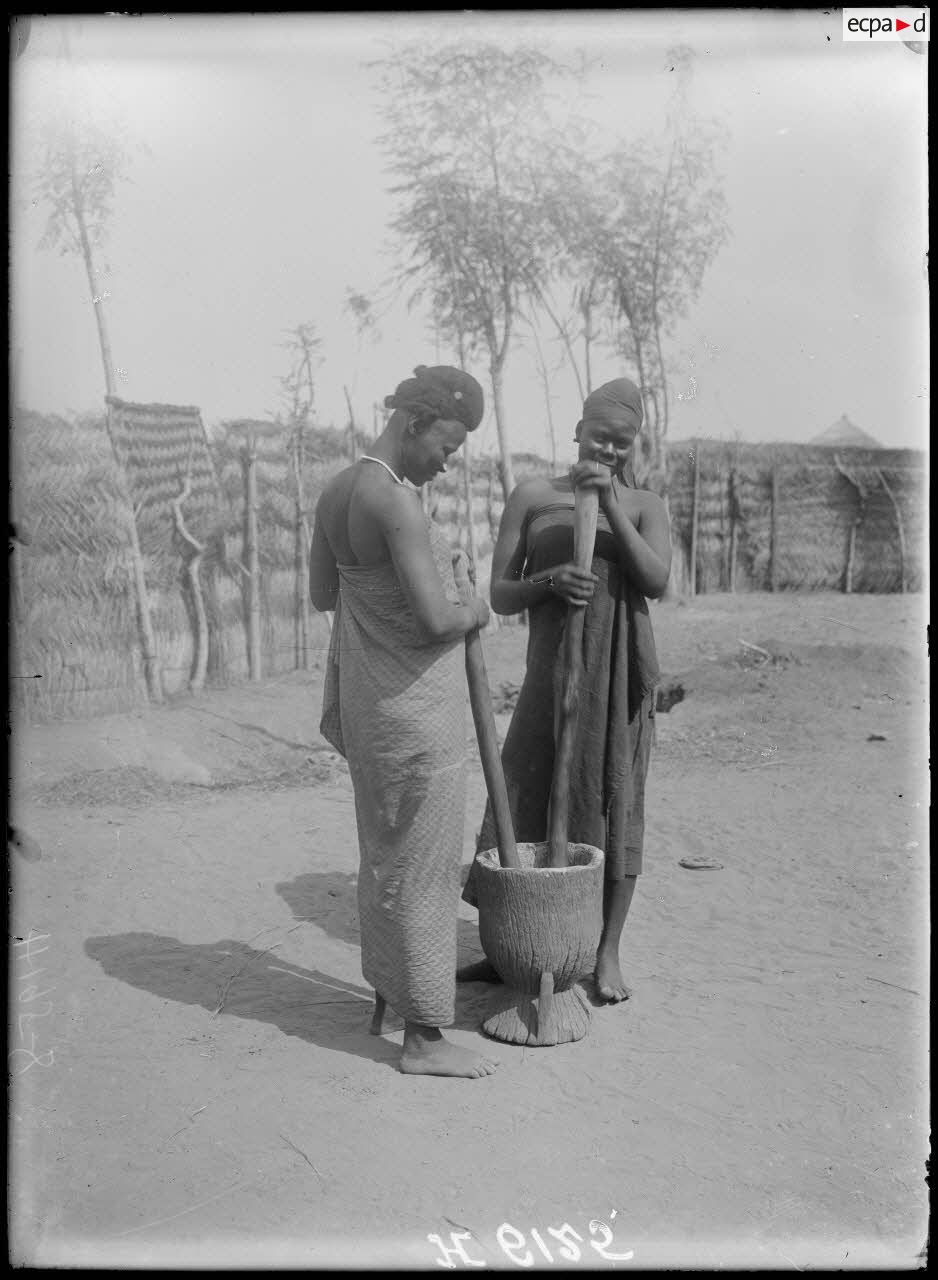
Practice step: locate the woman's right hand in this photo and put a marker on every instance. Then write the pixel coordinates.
(573, 584)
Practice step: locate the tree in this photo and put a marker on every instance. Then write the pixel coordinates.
(299, 392)
(362, 311)
(361, 308)
(466, 128)
(298, 386)
(638, 243)
(79, 169)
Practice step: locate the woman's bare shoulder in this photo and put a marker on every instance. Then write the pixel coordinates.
(537, 490)
(337, 489)
(648, 499)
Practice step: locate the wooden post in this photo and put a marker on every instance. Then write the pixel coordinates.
(694, 517)
(773, 531)
(251, 557)
(857, 520)
(586, 511)
(734, 530)
(900, 529)
(848, 568)
(300, 558)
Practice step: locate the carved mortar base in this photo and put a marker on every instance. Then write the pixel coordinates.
(539, 927)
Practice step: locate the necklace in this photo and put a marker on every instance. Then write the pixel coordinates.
(366, 457)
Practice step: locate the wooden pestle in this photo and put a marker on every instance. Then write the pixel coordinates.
(586, 512)
(480, 699)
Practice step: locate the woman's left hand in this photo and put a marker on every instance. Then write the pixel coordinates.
(593, 476)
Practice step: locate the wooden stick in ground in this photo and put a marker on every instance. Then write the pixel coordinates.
(480, 699)
(586, 511)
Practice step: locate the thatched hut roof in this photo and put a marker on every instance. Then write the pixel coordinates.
(846, 434)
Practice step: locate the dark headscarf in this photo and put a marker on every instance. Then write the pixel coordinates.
(440, 392)
(619, 401)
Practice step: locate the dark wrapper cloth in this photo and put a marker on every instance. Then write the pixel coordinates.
(615, 726)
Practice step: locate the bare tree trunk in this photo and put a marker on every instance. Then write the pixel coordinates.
(857, 520)
(97, 294)
(301, 568)
(467, 492)
(734, 531)
(151, 661)
(694, 517)
(197, 681)
(251, 558)
(351, 425)
(148, 648)
(149, 652)
(505, 471)
(671, 590)
(773, 531)
(586, 306)
(545, 383)
(661, 425)
(643, 453)
(193, 564)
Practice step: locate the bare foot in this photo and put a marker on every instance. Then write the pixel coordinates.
(428, 1053)
(610, 985)
(481, 971)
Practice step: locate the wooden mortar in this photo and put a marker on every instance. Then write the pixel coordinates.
(539, 927)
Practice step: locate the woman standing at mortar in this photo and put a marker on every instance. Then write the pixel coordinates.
(394, 705)
(533, 569)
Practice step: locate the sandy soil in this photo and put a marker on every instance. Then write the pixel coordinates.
(192, 1079)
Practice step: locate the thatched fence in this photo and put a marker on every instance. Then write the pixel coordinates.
(748, 517)
(786, 517)
(75, 631)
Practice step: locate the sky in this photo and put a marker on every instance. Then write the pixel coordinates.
(259, 196)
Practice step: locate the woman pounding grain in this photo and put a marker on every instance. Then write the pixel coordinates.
(394, 705)
(533, 569)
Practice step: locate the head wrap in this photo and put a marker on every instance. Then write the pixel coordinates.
(619, 401)
(440, 392)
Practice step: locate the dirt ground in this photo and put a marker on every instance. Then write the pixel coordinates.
(193, 1084)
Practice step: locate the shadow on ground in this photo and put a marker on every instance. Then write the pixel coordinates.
(231, 978)
(328, 900)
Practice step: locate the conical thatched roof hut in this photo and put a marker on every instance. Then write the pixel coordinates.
(844, 434)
